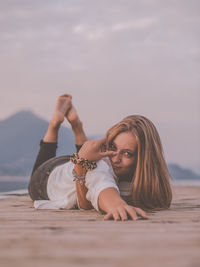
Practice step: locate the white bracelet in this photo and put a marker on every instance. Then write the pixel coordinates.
(78, 178)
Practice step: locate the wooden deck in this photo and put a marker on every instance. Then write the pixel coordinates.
(32, 237)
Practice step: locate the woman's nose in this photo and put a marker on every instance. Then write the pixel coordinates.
(116, 158)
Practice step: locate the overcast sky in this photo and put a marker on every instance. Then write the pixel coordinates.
(116, 57)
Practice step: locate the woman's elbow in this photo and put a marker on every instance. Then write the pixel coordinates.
(85, 206)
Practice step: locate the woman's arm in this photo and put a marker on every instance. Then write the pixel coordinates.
(92, 151)
(109, 199)
(81, 190)
(80, 139)
(116, 208)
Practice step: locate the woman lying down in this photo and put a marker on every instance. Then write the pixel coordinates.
(122, 175)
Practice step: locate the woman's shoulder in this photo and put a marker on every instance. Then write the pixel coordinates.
(105, 165)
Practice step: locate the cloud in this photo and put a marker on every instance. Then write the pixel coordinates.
(79, 29)
(89, 33)
(135, 24)
(114, 57)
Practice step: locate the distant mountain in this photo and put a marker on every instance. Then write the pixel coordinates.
(180, 173)
(20, 135)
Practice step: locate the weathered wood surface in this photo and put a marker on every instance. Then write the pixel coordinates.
(32, 237)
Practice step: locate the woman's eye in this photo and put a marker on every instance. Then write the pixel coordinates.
(128, 154)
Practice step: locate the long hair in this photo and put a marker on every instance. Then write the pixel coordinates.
(151, 188)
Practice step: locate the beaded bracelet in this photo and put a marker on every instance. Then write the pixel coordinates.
(86, 164)
(78, 178)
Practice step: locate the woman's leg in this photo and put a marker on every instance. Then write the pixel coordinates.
(64, 108)
(77, 127)
(47, 153)
(49, 143)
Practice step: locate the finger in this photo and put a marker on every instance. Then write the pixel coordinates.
(141, 212)
(108, 216)
(123, 214)
(131, 211)
(103, 148)
(108, 153)
(116, 216)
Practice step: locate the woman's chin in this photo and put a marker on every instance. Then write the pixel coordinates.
(123, 176)
(117, 171)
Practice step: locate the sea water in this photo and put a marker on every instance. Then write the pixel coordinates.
(185, 182)
(12, 183)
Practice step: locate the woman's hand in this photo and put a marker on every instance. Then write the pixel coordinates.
(116, 208)
(123, 211)
(94, 150)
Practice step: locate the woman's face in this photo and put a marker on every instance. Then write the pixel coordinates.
(124, 162)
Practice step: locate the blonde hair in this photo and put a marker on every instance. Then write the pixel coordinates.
(151, 188)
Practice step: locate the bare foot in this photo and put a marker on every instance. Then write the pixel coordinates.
(76, 124)
(63, 105)
(73, 118)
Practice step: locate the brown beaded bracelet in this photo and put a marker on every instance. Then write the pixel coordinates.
(86, 164)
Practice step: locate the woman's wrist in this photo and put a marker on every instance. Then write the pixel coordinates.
(85, 163)
(109, 199)
(80, 178)
(79, 170)
(84, 155)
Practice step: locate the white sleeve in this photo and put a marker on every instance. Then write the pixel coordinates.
(53, 204)
(98, 180)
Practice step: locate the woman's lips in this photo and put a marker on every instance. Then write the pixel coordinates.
(116, 167)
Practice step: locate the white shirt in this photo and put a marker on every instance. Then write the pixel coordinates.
(61, 188)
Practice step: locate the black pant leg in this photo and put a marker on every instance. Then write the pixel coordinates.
(46, 152)
(37, 187)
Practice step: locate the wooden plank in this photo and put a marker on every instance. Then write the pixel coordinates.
(32, 237)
